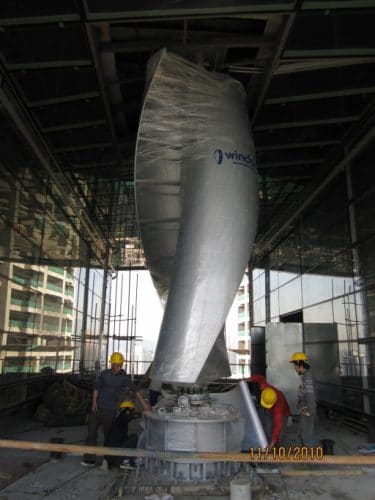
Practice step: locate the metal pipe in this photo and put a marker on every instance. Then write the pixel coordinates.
(120, 312)
(84, 316)
(92, 312)
(267, 78)
(92, 42)
(267, 298)
(128, 314)
(135, 307)
(253, 414)
(251, 294)
(102, 313)
(108, 321)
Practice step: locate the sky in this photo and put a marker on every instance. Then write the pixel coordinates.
(144, 303)
(149, 312)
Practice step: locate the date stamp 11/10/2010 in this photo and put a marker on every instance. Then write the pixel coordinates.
(287, 453)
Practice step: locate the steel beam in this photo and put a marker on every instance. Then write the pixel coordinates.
(233, 41)
(184, 10)
(321, 53)
(85, 147)
(247, 70)
(292, 163)
(102, 84)
(69, 63)
(267, 78)
(83, 166)
(297, 145)
(47, 19)
(293, 66)
(336, 5)
(62, 99)
(71, 126)
(339, 167)
(307, 123)
(320, 95)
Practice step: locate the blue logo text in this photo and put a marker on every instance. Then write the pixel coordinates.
(235, 157)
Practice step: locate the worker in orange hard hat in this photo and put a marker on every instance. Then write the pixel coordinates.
(109, 385)
(306, 401)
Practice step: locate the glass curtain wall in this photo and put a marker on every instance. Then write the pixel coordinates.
(50, 286)
(322, 273)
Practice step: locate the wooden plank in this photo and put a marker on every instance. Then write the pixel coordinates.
(216, 457)
(268, 458)
(325, 472)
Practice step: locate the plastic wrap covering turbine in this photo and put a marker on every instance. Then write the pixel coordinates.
(197, 207)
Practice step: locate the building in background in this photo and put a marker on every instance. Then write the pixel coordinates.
(238, 332)
(36, 318)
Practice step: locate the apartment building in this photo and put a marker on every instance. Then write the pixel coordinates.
(36, 318)
(238, 332)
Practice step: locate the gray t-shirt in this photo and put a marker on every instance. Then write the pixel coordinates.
(306, 393)
(109, 386)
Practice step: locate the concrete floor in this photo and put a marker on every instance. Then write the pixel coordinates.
(26, 475)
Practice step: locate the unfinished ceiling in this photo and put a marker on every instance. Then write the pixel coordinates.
(72, 81)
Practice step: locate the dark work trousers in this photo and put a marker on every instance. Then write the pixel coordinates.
(267, 421)
(306, 430)
(117, 436)
(153, 396)
(96, 419)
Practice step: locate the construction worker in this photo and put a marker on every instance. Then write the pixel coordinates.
(306, 401)
(118, 435)
(154, 391)
(276, 408)
(259, 379)
(154, 386)
(256, 383)
(276, 405)
(105, 398)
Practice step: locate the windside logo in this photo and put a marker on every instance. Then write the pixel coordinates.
(246, 160)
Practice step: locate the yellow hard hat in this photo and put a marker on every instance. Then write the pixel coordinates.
(117, 358)
(298, 356)
(127, 404)
(268, 397)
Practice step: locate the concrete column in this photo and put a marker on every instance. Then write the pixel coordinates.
(240, 489)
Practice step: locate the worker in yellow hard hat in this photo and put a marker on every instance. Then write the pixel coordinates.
(276, 405)
(126, 407)
(299, 356)
(109, 385)
(306, 401)
(118, 435)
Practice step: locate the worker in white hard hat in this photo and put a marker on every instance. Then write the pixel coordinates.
(108, 388)
(306, 401)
